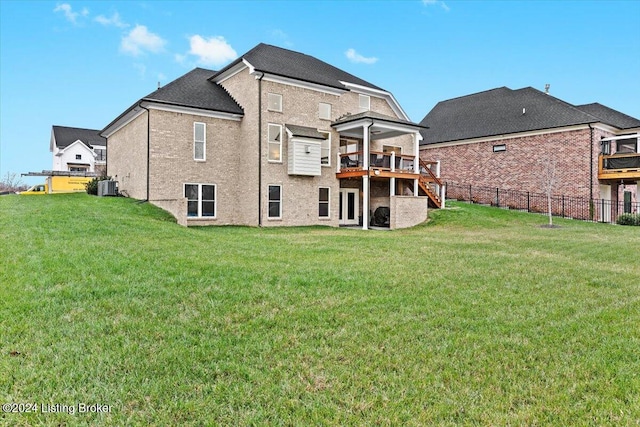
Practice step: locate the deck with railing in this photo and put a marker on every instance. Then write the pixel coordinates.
(619, 166)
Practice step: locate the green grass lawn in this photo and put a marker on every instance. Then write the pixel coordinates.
(479, 317)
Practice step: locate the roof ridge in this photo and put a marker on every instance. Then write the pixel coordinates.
(477, 93)
(608, 108)
(175, 81)
(560, 101)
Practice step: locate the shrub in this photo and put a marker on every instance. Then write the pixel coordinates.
(92, 186)
(628, 219)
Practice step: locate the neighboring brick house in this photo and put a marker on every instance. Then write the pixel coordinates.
(78, 150)
(504, 138)
(275, 138)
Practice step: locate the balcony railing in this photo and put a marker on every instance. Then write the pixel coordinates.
(399, 163)
(619, 166)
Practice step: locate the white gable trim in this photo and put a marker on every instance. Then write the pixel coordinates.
(140, 109)
(76, 142)
(227, 74)
(388, 96)
(123, 121)
(192, 111)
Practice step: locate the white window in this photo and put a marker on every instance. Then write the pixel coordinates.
(324, 111)
(274, 102)
(201, 200)
(364, 101)
(199, 141)
(275, 143)
(101, 153)
(275, 201)
(325, 149)
(323, 202)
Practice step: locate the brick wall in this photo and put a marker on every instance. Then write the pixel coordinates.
(408, 211)
(127, 161)
(172, 164)
(522, 166)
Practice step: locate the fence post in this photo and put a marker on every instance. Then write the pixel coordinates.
(497, 197)
(470, 195)
(528, 203)
(563, 206)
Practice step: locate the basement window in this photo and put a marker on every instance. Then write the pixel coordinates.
(499, 148)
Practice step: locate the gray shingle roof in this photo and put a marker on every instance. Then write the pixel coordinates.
(373, 115)
(497, 112)
(305, 132)
(610, 116)
(195, 90)
(65, 136)
(295, 65)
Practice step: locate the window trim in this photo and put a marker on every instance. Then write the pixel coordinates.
(500, 148)
(269, 201)
(204, 142)
(215, 200)
(269, 142)
(362, 97)
(328, 203)
(100, 149)
(320, 104)
(328, 133)
(269, 95)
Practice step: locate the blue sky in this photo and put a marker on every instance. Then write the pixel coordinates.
(82, 63)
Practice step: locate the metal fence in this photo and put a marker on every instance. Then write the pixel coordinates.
(596, 210)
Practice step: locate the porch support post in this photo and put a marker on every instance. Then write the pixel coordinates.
(392, 185)
(365, 178)
(415, 188)
(416, 151)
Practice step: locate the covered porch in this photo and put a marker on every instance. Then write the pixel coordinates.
(383, 182)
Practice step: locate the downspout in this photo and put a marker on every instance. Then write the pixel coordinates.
(260, 149)
(590, 163)
(148, 148)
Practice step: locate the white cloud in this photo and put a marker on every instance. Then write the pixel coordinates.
(140, 39)
(211, 51)
(67, 11)
(436, 2)
(282, 37)
(141, 69)
(355, 57)
(115, 20)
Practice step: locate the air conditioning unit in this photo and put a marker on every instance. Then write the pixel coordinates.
(107, 188)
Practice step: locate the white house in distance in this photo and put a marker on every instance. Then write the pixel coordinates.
(78, 150)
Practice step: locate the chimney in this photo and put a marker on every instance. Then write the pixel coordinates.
(546, 88)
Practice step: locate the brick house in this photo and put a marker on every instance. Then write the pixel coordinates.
(78, 150)
(274, 138)
(504, 138)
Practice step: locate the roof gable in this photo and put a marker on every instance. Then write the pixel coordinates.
(64, 136)
(195, 90)
(295, 65)
(610, 116)
(497, 112)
